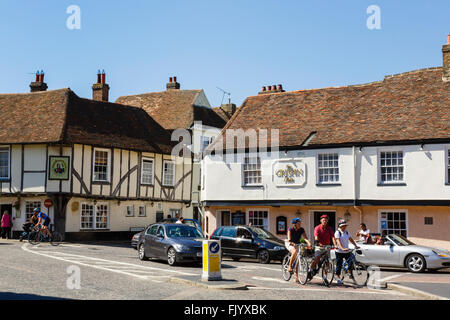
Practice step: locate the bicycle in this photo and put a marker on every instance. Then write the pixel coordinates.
(327, 266)
(356, 270)
(301, 260)
(36, 236)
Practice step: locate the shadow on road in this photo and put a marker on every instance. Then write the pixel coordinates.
(25, 296)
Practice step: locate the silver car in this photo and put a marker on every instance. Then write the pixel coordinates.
(397, 251)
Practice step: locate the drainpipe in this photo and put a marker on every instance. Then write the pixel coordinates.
(354, 186)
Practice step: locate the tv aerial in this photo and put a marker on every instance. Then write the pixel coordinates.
(223, 96)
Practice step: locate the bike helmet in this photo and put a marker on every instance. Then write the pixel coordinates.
(342, 222)
(36, 210)
(295, 220)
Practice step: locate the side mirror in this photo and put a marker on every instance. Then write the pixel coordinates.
(159, 235)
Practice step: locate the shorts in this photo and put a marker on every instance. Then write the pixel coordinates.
(318, 252)
(46, 222)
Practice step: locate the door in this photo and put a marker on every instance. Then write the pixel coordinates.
(331, 220)
(245, 245)
(149, 243)
(159, 244)
(226, 218)
(386, 254)
(228, 240)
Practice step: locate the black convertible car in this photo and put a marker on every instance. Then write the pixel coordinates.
(172, 242)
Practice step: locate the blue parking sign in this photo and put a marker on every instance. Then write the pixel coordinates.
(214, 247)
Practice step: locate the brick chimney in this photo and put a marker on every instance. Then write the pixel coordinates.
(173, 84)
(271, 89)
(100, 90)
(229, 109)
(446, 60)
(38, 84)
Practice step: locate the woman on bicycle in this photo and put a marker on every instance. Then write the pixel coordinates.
(295, 235)
(343, 237)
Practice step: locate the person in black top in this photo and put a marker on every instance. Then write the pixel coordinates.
(295, 235)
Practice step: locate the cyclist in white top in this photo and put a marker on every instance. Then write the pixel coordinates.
(343, 237)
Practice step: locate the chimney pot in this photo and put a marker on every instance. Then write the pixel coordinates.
(448, 39)
(274, 87)
(170, 79)
(174, 79)
(100, 90)
(39, 84)
(173, 84)
(446, 60)
(280, 87)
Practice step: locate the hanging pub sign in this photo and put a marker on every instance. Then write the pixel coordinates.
(58, 168)
(287, 173)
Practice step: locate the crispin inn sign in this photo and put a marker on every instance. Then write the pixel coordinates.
(288, 173)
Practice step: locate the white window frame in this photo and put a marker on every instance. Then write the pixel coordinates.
(108, 171)
(380, 211)
(94, 215)
(142, 171)
(164, 173)
(173, 212)
(130, 211)
(2, 149)
(243, 170)
(33, 205)
(318, 168)
(447, 165)
(393, 182)
(144, 211)
(258, 209)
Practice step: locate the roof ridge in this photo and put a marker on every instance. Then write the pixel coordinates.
(36, 92)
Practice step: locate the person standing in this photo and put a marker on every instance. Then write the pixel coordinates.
(180, 220)
(6, 225)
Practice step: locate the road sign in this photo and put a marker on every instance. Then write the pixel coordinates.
(211, 260)
(48, 203)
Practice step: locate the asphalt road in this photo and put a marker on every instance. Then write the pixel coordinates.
(114, 271)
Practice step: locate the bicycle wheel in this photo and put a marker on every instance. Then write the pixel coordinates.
(360, 274)
(303, 270)
(327, 272)
(33, 237)
(56, 239)
(285, 268)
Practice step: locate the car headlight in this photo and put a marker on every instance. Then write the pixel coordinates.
(180, 247)
(278, 248)
(440, 254)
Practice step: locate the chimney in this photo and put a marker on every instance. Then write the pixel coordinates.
(446, 60)
(100, 90)
(38, 84)
(271, 89)
(229, 109)
(173, 84)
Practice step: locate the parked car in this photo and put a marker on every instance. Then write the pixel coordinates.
(135, 239)
(397, 251)
(172, 242)
(253, 242)
(187, 221)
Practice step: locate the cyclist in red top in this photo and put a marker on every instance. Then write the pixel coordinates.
(323, 236)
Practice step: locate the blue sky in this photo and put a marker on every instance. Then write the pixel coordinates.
(238, 46)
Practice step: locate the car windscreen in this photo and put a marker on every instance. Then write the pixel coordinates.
(183, 232)
(400, 240)
(261, 233)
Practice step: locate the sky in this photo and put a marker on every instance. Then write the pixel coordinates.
(237, 46)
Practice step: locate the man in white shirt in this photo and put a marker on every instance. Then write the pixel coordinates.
(180, 220)
(364, 233)
(342, 237)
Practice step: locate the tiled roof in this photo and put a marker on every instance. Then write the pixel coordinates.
(409, 106)
(174, 109)
(60, 116)
(223, 114)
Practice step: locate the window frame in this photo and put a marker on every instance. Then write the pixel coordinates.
(243, 171)
(94, 215)
(447, 165)
(129, 213)
(108, 171)
(258, 209)
(321, 183)
(8, 149)
(27, 218)
(381, 211)
(139, 211)
(153, 171)
(164, 173)
(392, 182)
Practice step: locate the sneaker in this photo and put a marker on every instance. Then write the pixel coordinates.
(339, 281)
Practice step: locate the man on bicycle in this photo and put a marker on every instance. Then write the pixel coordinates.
(294, 235)
(343, 252)
(44, 220)
(323, 236)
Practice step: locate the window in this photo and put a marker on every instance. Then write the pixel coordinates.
(29, 207)
(4, 163)
(130, 211)
(393, 222)
(142, 211)
(429, 220)
(259, 218)
(244, 233)
(205, 142)
(152, 230)
(448, 165)
(229, 232)
(252, 171)
(328, 168)
(147, 171)
(94, 216)
(159, 216)
(391, 167)
(169, 174)
(175, 213)
(160, 232)
(101, 165)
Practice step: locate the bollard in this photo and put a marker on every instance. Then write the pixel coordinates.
(211, 260)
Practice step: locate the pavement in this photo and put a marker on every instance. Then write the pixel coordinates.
(113, 271)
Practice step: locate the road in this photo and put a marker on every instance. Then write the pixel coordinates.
(113, 271)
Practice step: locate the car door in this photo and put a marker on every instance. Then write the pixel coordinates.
(149, 240)
(245, 245)
(386, 254)
(159, 244)
(228, 240)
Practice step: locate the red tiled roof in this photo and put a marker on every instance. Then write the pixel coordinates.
(409, 106)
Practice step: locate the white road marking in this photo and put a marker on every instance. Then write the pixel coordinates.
(391, 277)
(150, 273)
(325, 290)
(269, 279)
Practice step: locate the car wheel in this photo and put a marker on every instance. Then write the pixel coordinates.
(415, 263)
(141, 252)
(263, 256)
(171, 257)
